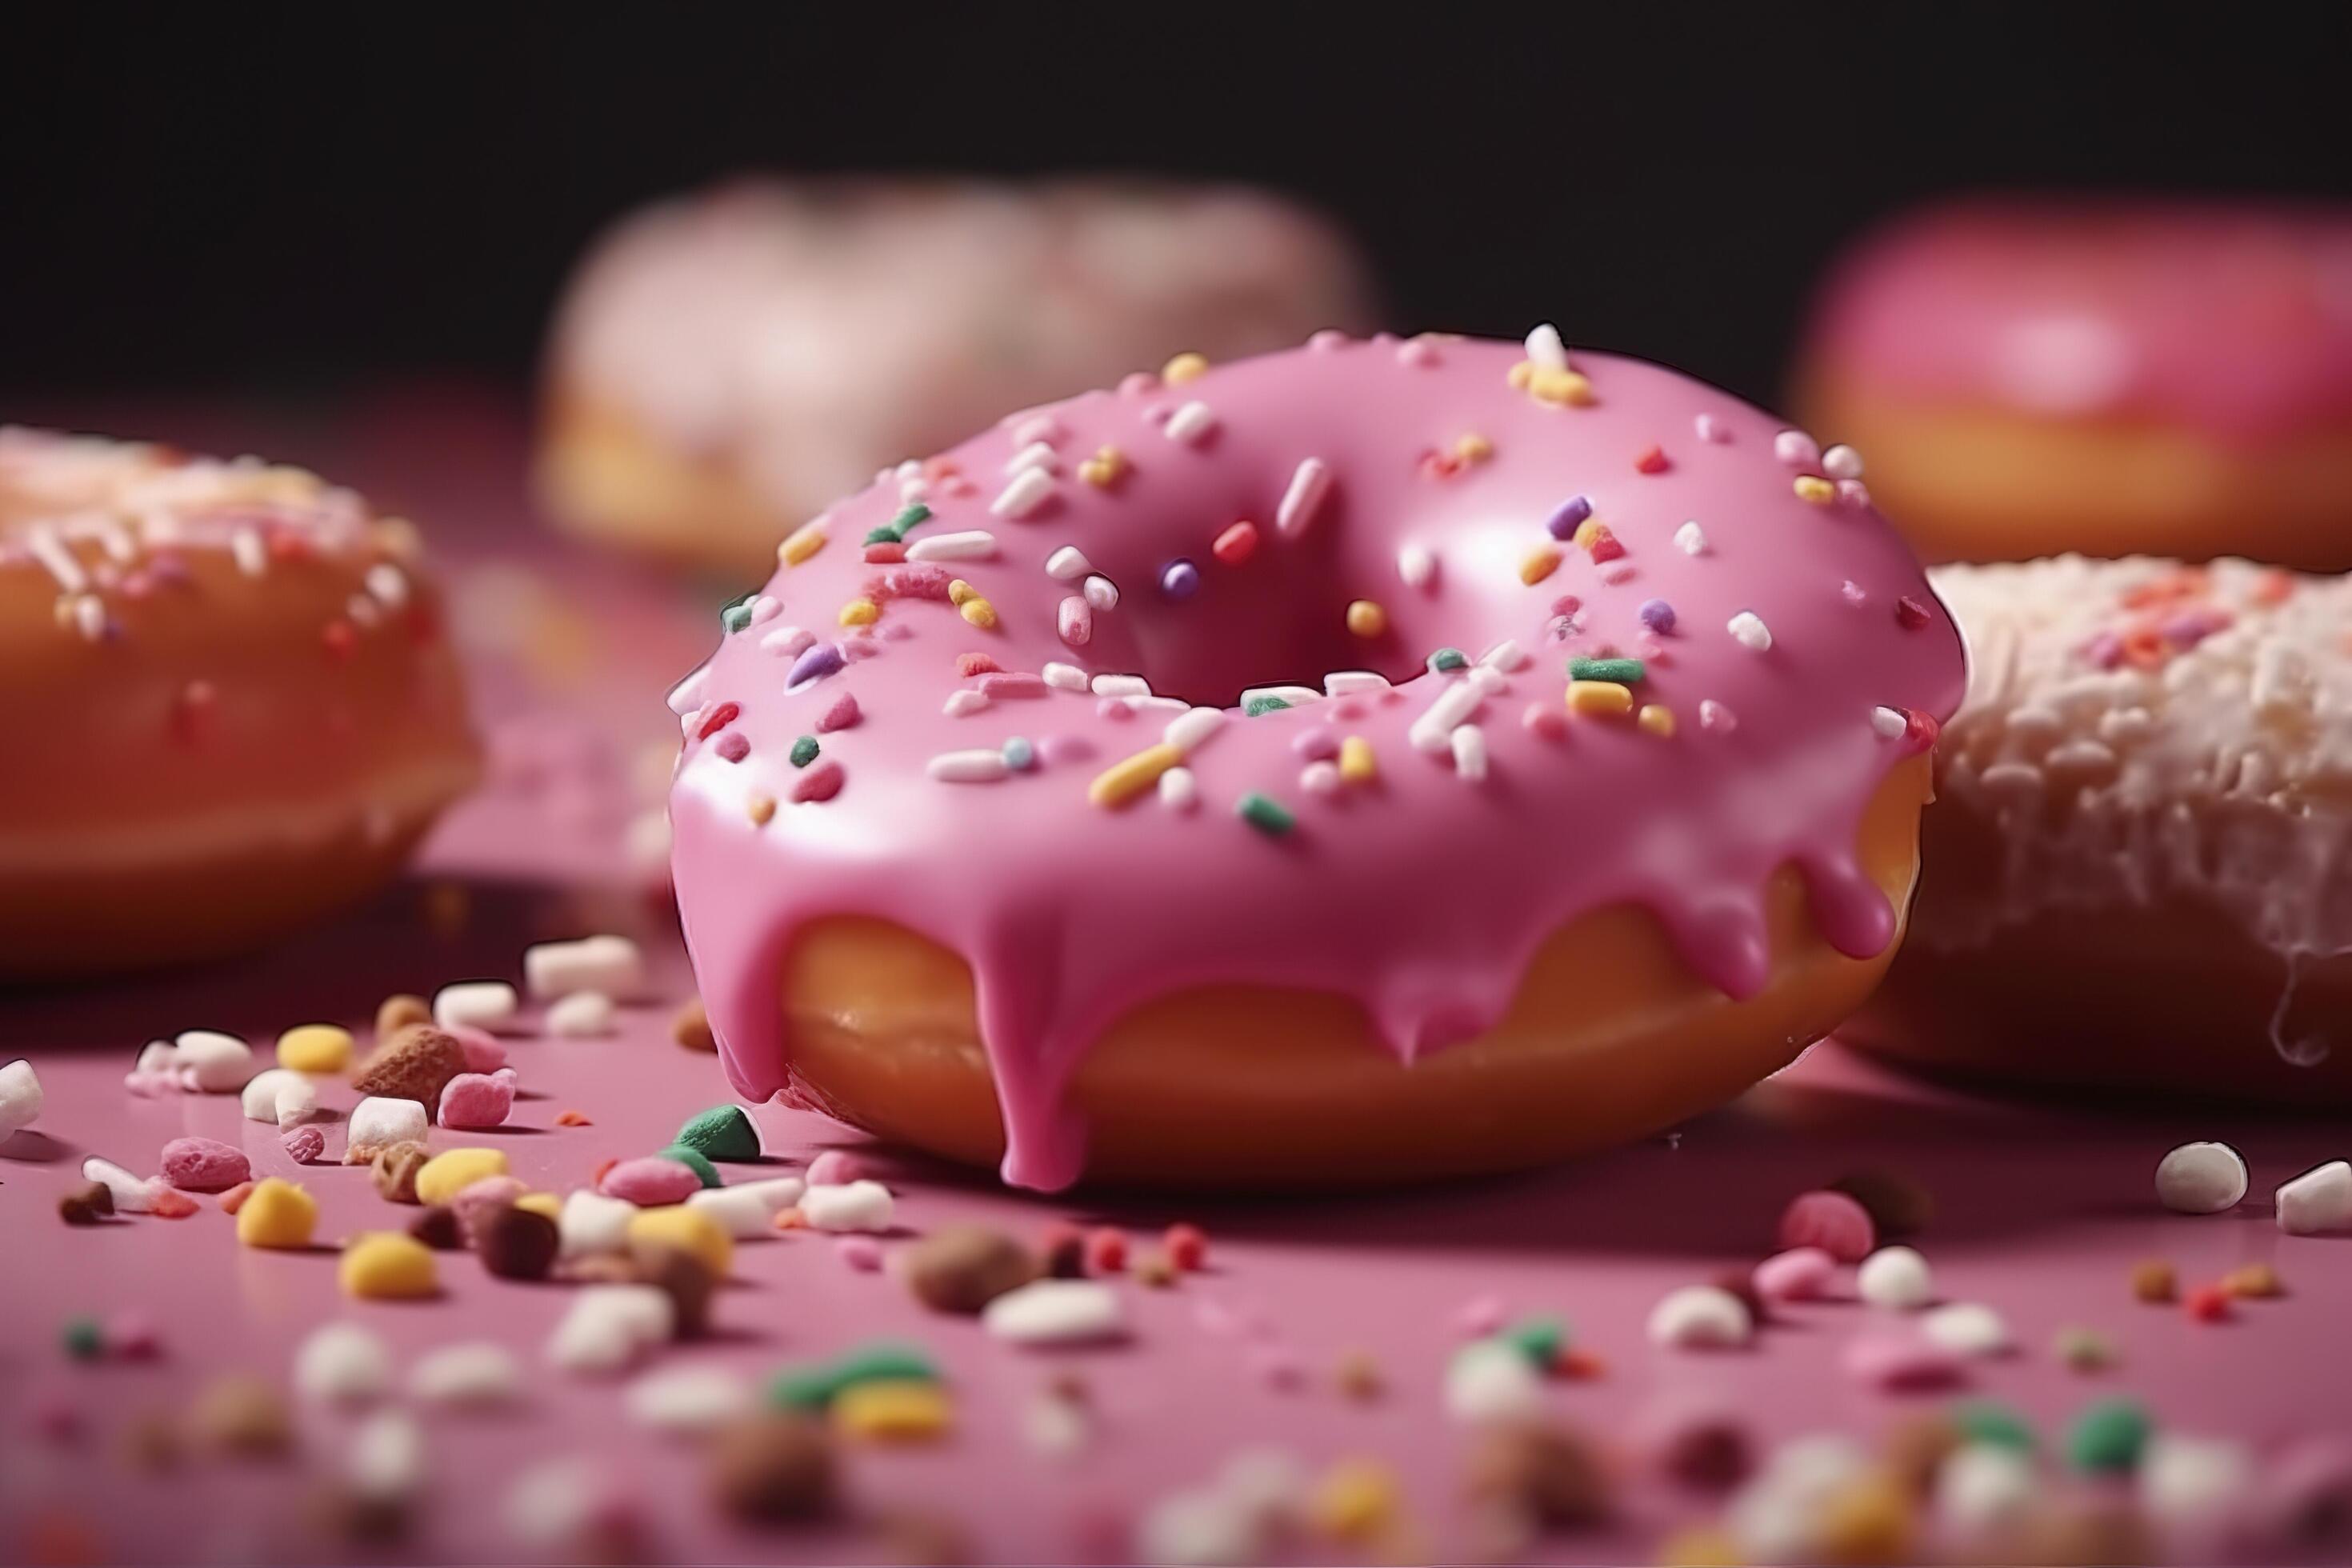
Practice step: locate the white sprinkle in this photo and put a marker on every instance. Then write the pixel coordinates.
(63, 564)
(1699, 1316)
(2316, 1201)
(1067, 565)
(1505, 654)
(1035, 455)
(1470, 753)
(388, 583)
(1545, 347)
(1319, 778)
(1157, 705)
(1895, 1276)
(850, 1206)
(1491, 1383)
(788, 642)
(609, 964)
(132, 1194)
(967, 767)
(158, 1056)
(474, 1374)
(214, 1062)
(590, 1223)
(1748, 629)
(581, 1015)
(1293, 695)
(1854, 492)
(1065, 676)
(1192, 424)
(20, 1097)
(1796, 449)
(686, 1400)
(973, 544)
(386, 1460)
(1191, 729)
(549, 1504)
(2201, 1178)
(908, 469)
(1353, 683)
(2188, 1482)
(1309, 483)
(1970, 1327)
(779, 1192)
(377, 1123)
(1432, 732)
(1710, 429)
(1984, 1489)
(1055, 1313)
(1101, 592)
(344, 1363)
(743, 1213)
(1031, 427)
(1691, 539)
(1888, 723)
(1074, 618)
(1416, 565)
(1841, 463)
(911, 490)
(1025, 493)
(90, 617)
(1121, 686)
(476, 1004)
(1179, 790)
(245, 546)
(963, 703)
(610, 1326)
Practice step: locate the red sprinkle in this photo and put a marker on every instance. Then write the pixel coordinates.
(572, 1119)
(821, 781)
(1106, 1251)
(1920, 728)
(1014, 683)
(1910, 614)
(341, 639)
(970, 664)
(842, 715)
(885, 554)
(1440, 465)
(1651, 461)
(718, 719)
(1188, 1247)
(1236, 544)
(2208, 1304)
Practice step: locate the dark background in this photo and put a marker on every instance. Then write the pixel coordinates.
(291, 198)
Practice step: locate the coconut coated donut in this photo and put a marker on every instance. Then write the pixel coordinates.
(2138, 872)
(727, 364)
(230, 702)
(1367, 760)
(2116, 379)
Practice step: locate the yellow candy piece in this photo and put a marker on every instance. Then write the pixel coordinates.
(979, 612)
(1521, 373)
(1556, 387)
(386, 1266)
(1367, 619)
(804, 542)
(1816, 489)
(1589, 533)
(893, 1410)
(1183, 368)
(1474, 448)
(1357, 762)
(315, 1048)
(276, 1213)
(761, 809)
(688, 1230)
(961, 592)
(447, 1174)
(544, 1204)
(1656, 719)
(1356, 1500)
(1538, 565)
(860, 613)
(1606, 698)
(1102, 470)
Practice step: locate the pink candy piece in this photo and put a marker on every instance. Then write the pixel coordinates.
(843, 714)
(304, 1144)
(860, 1252)
(1902, 1360)
(477, 1200)
(1831, 1221)
(650, 1183)
(1545, 720)
(835, 1168)
(202, 1165)
(134, 1336)
(1013, 683)
(477, 1099)
(1800, 1274)
(483, 1053)
(1479, 1316)
(152, 1085)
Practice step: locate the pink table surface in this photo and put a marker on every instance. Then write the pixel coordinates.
(2041, 1211)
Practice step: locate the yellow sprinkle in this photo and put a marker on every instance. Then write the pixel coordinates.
(1815, 488)
(1473, 448)
(1357, 1500)
(1539, 565)
(1357, 762)
(860, 613)
(1521, 373)
(1183, 368)
(1102, 470)
(1589, 533)
(276, 1213)
(1367, 619)
(761, 809)
(1130, 776)
(1658, 720)
(1600, 697)
(688, 1230)
(386, 1266)
(979, 612)
(1560, 387)
(452, 1171)
(893, 1410)
(315, 1048)
(960, 591)
(544, 1204)
(804, 542)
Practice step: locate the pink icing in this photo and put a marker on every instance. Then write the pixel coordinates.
(1424, 896)
(2236, 320)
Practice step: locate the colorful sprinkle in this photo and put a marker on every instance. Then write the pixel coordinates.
(1600, 698)
(1623, 670)
(1365, 618)
(1813, 487)
(1266, 813)
(1447, 658)
(803, 542)
(1538, 564)
(1184, 367)
(804, 751)
(1567, 517)
(1658, 615)
(1179, 580)
(1235, 544)
(1130, 776)
(1651, 461)
(1309, 483)
(1358, 764)
(860, 613)
(1656, 719)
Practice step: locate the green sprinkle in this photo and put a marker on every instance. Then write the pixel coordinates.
(82, 1339)
(1625, 671)
(693, 1160)
(1541, 1339)
(803, 753)
(1990, 1421)
(736, 614)
(1447, 658)
(885, 534)
(899, 527)
(1257, 705)
(1266, 813)
(812, 1386)
(722, 1133)
(2108, 1437)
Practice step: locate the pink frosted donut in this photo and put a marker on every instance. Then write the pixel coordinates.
(1375, 759)
(728, 363)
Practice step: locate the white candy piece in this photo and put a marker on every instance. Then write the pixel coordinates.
(1491, 1382)
(1067, 565)
(1700, 1317)
(475, 1003)
(20, 1097)
(1842, 462)
(859, 1205)
(1051, 1311)
(1354, 683)
(213, 1062)
(1065, 676)
(778, 1192)
(278, 1095)
(475, 1375)
(344, 1363)
(1691, 539)
(744, 1213)
(686, 1400)
(2190, 1481)
(1100, 593)
(2318, 1200)
(2201, 1178)
(583, 1015)
(1546, 349)
(612, 964)
(386, 1462)
(1416, 566)
(158, 1056)
(550, 1503)
(1202, 1529)
(132, 1194)
(379, 1122)
(1469, 743)
(1194, 422)
(1985, 1489)
(1888, 723)
(590, 1223)
(610, 1327)
(1180, 789)
(1896, 1278)
(975, 766)
(1969, 1328)
(1749, 630)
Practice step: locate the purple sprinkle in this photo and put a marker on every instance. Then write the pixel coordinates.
(817, 662)
(733, 747)
(1567, 515)
(1658, 615)
(1180, 579)
(2105, 650)
(1315, 745)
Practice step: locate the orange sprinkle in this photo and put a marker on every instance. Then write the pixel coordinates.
(572, 1119)
(596, 1176)
(791, 1219)
(234, 1199)
(1538, 564)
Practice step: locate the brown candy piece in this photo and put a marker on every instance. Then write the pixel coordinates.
(398, 1012)
(516, 1244)
(2154, 1280)
(395, 1169)
(417, 1063)
(243, 1415)
(681, 1275)
(1551, 1475)
(88, 1204)
(439, 1228)
(692, 1027)
(964, 1267)
(773, 1468)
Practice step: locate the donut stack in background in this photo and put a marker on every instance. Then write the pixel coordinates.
(2138, 871)
(727, 364)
